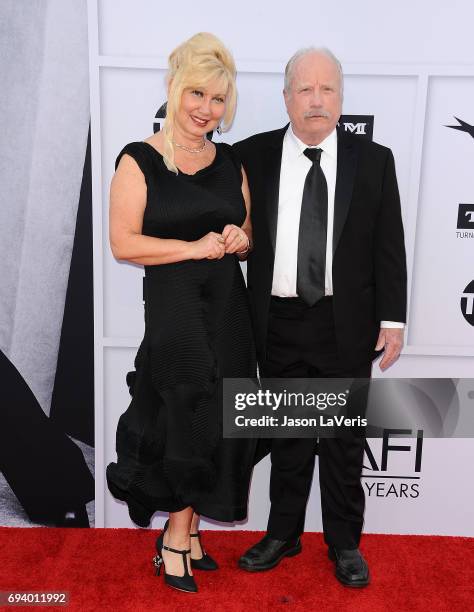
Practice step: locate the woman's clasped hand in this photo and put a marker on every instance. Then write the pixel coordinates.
(215, 246)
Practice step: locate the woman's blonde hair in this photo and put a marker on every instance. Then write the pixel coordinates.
(195, 63)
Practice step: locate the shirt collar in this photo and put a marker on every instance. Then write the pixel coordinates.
(296, 146)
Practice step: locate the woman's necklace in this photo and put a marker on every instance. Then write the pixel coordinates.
(189, 149)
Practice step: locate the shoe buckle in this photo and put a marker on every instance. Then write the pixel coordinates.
(157, 562)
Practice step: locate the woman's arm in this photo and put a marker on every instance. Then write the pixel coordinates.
(232, 234)
(247, 226)
(128, 194)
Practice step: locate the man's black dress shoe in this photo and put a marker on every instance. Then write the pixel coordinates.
(268, 553)
(351, 567)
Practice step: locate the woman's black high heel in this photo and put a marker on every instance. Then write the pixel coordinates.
(184, 583)
(206, 562)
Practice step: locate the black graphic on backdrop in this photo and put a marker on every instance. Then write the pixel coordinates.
(72, 404)
(44, 468)
(160, 115)
(361, 125)
(467, 303)
(465, 211)
(462, 127)
(466, 216)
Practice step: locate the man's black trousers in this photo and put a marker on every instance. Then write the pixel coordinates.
(302, 344)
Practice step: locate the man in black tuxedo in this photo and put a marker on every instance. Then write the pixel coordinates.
(327, 286)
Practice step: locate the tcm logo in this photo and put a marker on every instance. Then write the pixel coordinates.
(466, 216)
(361, 125)
(467, 303)
(159, 117)
(382, 479)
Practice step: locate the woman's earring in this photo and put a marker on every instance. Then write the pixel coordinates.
(219, 129)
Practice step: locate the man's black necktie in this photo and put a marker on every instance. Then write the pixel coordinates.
(312, 234)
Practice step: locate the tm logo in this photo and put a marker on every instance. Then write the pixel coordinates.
(361, 125)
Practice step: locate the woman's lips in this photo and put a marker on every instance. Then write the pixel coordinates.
(200, 122)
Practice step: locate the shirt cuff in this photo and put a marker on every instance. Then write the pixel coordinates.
(392, 325)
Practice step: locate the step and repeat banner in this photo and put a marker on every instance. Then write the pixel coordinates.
(416, 99)
(402, 89)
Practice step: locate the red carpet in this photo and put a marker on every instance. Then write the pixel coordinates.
(111, 569)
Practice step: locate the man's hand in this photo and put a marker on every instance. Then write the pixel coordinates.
(390, 339)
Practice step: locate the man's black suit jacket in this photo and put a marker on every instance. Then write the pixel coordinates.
(369, 268)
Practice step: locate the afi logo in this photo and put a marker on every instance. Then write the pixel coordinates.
(388, 447)
(467, 303)
(379, 483)
(466, 216)
(361, 125)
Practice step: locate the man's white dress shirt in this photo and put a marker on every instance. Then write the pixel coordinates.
(294, 168)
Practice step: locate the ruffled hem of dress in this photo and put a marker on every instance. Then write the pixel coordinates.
(193, 478)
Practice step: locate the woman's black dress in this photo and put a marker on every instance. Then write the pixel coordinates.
(169, 443)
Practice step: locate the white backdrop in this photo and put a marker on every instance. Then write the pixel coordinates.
(397, 70)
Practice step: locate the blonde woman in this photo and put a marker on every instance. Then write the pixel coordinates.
(179, 206)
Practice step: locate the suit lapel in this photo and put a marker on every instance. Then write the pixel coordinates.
(272, 166)
(346, 170)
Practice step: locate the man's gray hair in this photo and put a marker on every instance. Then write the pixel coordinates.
(309, 51)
